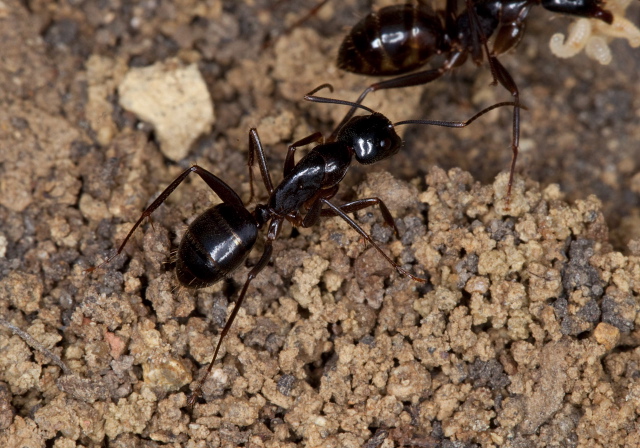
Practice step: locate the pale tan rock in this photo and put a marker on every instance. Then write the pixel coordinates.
(174, 99)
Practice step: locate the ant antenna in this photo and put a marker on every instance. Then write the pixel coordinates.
(461, 124)
(326, 85)
(320, 99)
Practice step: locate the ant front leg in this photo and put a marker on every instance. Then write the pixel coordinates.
(255, 147)
(477, 37)
(224, 191)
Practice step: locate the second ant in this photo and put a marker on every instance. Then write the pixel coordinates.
(401, 38)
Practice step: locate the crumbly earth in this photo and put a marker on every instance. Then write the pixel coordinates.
(524, 335)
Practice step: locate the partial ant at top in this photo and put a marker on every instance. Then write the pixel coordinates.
(219, 240)
(401, 38)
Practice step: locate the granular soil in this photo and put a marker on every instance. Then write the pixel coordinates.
(524, 335)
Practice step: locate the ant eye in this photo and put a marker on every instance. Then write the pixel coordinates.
(385, 143)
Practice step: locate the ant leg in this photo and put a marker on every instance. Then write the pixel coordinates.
(255, 146)
(314, 211)
(500, 75)
(264, 259)
(224, 191)
(312, 12)
(357, 228)
(361, 204)
(289, 162)
(478, 40)
(505, 79)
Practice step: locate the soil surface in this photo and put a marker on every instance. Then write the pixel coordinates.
(523, 336)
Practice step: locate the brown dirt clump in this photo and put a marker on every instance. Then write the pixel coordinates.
(519, 337)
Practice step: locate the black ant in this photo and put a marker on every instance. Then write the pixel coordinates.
(221, 238)
(401, 38)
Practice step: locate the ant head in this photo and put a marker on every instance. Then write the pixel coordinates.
(372, 138)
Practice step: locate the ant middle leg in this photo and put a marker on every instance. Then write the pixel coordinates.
(337, 211)
(360, 204)
(255, 147)
(316, 211)
(505, 79)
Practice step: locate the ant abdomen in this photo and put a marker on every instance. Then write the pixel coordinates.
(395, 40)
(215, 244)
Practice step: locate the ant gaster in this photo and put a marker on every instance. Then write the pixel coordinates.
(220, 239)
(401, 38)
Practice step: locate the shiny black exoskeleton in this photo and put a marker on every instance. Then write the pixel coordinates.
(401, 38)
(220, 239)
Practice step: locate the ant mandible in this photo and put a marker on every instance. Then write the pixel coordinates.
(401, 38)
(220, 239)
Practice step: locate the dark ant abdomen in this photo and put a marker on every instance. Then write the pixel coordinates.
(215, 244)
(395, 40)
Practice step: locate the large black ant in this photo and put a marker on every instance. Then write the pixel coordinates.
(401, 38)
(219, 240)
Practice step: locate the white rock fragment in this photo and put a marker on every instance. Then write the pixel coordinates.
(174, 99)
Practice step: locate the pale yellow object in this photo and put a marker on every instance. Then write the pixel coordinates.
(593, 35)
